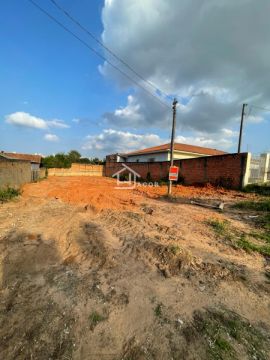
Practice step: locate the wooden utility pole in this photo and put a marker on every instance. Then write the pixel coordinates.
(241, 127)
(172, 142)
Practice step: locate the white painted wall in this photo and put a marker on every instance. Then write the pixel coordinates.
(162, 156)
(146, 157)
(183, 155)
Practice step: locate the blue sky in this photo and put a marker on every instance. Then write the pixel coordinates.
(77, 102)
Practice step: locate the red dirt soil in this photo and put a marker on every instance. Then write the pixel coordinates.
(101, 193)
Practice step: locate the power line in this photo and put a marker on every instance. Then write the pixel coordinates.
(107, 48)
(259, 107)
(96, 52)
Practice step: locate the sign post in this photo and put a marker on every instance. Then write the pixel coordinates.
(173, 173)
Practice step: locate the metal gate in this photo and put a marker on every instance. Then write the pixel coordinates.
(259, 169)
(34, 175)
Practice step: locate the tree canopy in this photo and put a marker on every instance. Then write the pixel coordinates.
(64, 160)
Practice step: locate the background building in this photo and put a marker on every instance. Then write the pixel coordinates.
(162, 153)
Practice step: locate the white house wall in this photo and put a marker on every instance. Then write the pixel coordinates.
(147, 157)
(182, 155)
(165, 156)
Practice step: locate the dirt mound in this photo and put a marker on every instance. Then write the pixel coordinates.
(98, 193)
(94, 193)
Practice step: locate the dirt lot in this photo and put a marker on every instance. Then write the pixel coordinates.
(92, 272)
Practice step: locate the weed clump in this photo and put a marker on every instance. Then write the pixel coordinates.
(220, 227)
(223, 332)
(8, 194)
(158, 310)
(95, 318)
(254, 241)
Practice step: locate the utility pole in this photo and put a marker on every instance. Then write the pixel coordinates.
(172, 142)
(241, 127)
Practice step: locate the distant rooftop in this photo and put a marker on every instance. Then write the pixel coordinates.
(18, 156)
(178, 147)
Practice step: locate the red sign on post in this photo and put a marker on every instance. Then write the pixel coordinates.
(173, 173)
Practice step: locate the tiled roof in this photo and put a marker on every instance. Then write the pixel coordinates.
(178, 147)
(17, 156)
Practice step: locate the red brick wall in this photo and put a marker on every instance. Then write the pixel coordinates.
(225, 170)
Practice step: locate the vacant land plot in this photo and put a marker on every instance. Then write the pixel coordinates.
(91, 272)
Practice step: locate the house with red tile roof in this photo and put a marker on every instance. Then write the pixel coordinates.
(162, 153)
(34, 159)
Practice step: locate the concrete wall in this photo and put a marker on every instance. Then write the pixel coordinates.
(222, 170)
(42, 173)
(78, 170)
(14, 173)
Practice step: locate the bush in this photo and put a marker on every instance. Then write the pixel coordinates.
(62, 160)
(8, 194)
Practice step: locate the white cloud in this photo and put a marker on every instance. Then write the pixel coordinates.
(57, 124)
(212, 52)
(119, 141)
(113, 141)
(24, 119)
(51, 137)
(205, 141)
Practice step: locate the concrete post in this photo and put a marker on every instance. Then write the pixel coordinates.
(266, 166)
(247, 170)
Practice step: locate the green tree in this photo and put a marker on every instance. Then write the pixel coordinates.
(62, 160)
(73, 156)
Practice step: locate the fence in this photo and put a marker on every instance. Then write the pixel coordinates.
(259, 169)
(227, 170)
(14, 172)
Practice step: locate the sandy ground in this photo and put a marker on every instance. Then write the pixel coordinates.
(92, 272)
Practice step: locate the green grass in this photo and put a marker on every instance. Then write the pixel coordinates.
(223, 331)
(258, 189)
(262, 245)
(265, 236)
(263, 205)
(240, 240)
(95, 318)
(249, 246)
(175, 249)
(220, 227)
(8, 194)
(158, 310)
(264, 222)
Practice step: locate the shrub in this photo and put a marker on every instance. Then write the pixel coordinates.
(8, 194)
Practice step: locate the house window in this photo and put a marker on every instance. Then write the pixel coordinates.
(151, 159)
